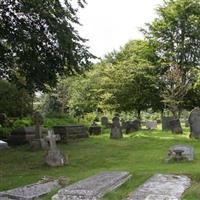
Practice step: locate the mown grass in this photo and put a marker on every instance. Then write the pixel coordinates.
(142, 153)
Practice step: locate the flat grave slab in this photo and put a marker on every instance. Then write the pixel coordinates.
(162, 187)
(93, 187)
(3, 145)
(30, 192)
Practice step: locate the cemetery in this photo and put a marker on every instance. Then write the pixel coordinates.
(78, 126)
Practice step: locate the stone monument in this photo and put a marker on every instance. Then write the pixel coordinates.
(116, 131)
(54, 156)
(194, 121)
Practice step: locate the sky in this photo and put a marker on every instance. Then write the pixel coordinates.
(110, 24)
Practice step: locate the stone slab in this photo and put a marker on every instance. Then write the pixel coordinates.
(30, 192)
(162, 187)
(93, 187)
(187, 153)
(3, 145)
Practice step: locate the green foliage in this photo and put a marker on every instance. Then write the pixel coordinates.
(20, 123)
(39, 42)
(5, 132)
(14, 102)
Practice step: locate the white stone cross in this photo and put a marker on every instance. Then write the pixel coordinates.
(52, 138)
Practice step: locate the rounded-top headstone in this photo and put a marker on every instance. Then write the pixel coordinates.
(194, 121)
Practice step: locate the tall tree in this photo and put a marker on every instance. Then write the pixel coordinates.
(38, 42)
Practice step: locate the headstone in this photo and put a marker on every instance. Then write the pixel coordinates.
(194, 121)
(175, 126)
(93, 188)
(30, 192)
(162, 187)
(3, 119)
(116, 131)
(95, 130)
(166, 123)
(71, 132)
(151, 125)
(180, 152)
(104, 121)
(54, 156)
(3, 145)
(133, 126)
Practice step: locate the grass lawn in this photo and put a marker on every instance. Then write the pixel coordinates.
(142, 153)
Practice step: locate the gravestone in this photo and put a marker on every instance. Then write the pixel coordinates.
(116, 131)
(133, 126)
(3, 145)
(93, 188)
(71, 132)
(104, 121)
(4, 120)
(194, 121)
(95, 130)
(166, 123)
(151, 125)
(180, 152)
(54, 156)
(30, 192)
(162, 187)
(175, 126)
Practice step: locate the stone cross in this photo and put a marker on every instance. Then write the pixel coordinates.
(38, 121)
(52, 139)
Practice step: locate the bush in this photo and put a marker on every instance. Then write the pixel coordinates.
(20, 123)
(5, 132)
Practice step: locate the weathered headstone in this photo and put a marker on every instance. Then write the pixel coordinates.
(95, 130)
(175, 126)
(180, 152)
(3, 145)
(54, 156)
(3, 119)
(194, 121)
(166, 123)
(133, 126)
(162, 187)
(104, 121)
(93, 188)
(151, 125)
(116, 131)
(30, 192)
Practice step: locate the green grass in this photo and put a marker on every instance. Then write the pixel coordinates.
(142, 153)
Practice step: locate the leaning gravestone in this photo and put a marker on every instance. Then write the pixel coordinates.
(180, 152)
(93, 188)
(116, 131)
(54, 156)
(30, 192)
(194, 121)
(162, 187)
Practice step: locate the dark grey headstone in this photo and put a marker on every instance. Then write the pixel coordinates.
(116, 131)
(162, 187)
(175, 126)
(166, 123)
(30, 192)
(104, 121)
(95, 130)
(180, 152)
(133, 126)
(94, 187)
(194, 121)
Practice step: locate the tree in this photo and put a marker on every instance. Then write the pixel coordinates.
(38, 42)
(175, 34)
